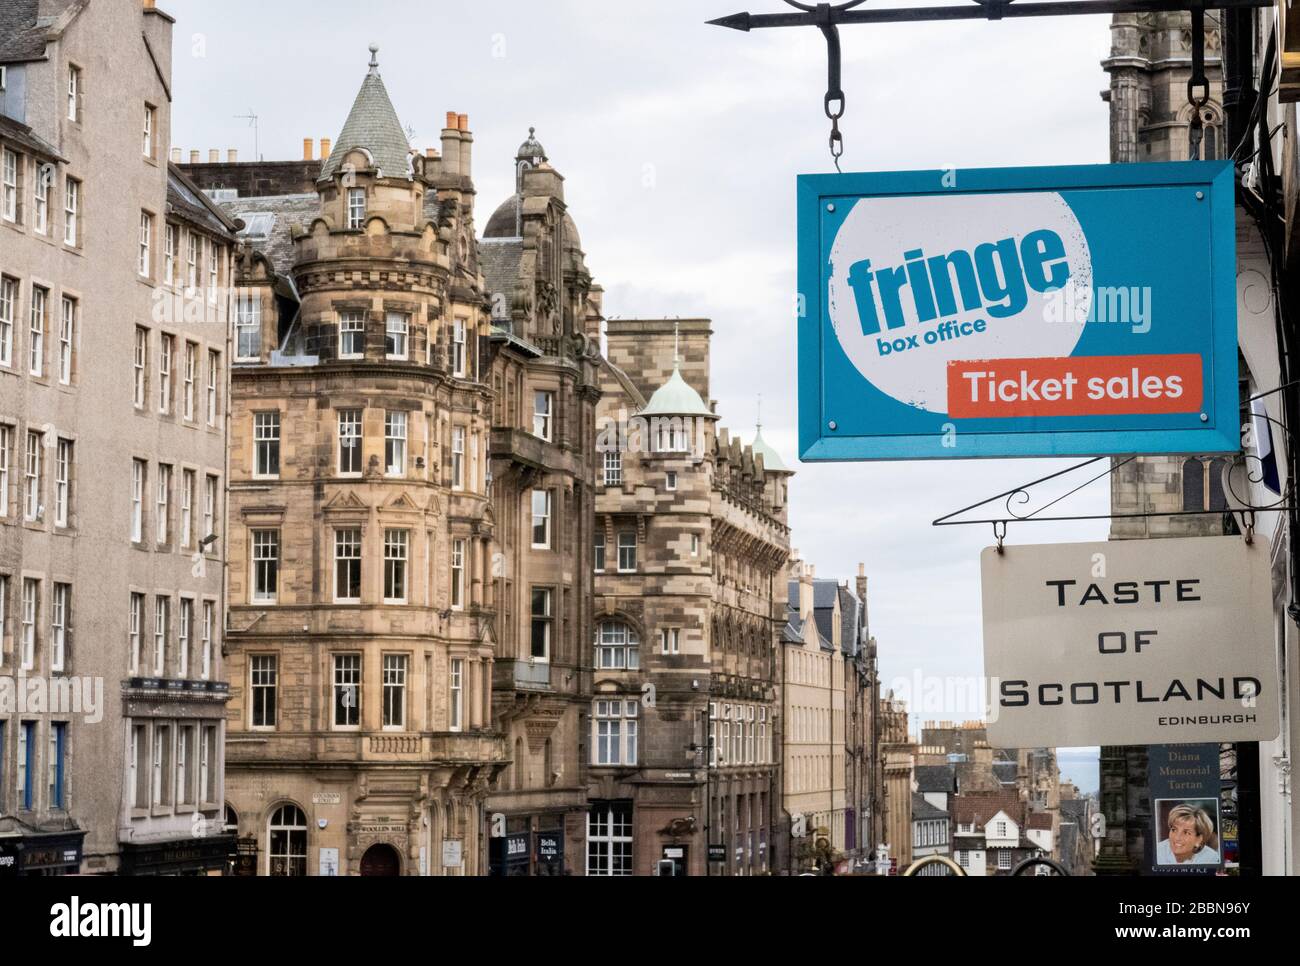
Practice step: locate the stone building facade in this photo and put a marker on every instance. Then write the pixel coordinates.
(835, 784)
(892, 822)
(362, 603)
(682, 735)
(114, 278)
(813, 738)
(544, 351)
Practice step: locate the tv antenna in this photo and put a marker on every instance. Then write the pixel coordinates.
(251, 118)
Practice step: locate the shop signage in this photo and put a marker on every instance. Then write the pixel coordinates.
(451, 854)
(1018, 312)
(1129, 642)
(717, 853)
(1184, 782)
(329, 862)
(550, 846)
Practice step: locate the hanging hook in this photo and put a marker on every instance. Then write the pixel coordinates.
(1248, 518)
(1000, 532)
(834, 101)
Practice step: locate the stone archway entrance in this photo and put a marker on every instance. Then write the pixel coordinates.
(381, 860)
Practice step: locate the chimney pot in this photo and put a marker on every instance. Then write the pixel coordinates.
(462, 122)
(232, 155)
(431, 153)
(451, 120)
(325, 148)
(194, 157)
(176, 155)
(307, 145)
(213, 155)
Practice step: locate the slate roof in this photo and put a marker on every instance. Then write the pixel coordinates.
(1075, 810)
(22, 30)
(936, 778)
(1069, 838)
(923, 810)
(1005, 771)
(23, 136)
(186, 199)
(372, 124)
(850, 620)
(287, 211)
(499, 260)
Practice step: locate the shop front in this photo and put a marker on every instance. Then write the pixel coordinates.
(205, 856)
(41, 853)
(537, 852)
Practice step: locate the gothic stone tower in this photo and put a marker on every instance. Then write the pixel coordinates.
(1149, 66)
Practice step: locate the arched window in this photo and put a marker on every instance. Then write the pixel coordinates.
(617, 646)
(231, 819)
(287, 834)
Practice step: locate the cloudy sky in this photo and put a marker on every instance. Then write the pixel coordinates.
(680, 144)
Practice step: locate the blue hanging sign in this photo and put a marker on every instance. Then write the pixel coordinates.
(1005, 312)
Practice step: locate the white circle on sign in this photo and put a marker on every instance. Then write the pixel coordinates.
(881, 230)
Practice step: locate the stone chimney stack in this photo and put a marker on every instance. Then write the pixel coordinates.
(466, 144)
(451, 144)
(806, 574)
(861, 588)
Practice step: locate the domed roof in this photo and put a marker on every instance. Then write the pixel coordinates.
(504, 221)
(772, 462)
(571, 238)
(531, 149)
(676, 398)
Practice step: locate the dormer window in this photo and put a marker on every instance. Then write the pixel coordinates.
(356, 207)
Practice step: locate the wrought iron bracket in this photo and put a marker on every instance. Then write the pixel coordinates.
(829, 17)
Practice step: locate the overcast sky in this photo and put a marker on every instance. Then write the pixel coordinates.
(680, 144)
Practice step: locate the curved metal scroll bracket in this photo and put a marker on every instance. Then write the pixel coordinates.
(1030, 863)
(921, 863)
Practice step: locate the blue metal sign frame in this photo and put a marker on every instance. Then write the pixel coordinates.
(1168, 228)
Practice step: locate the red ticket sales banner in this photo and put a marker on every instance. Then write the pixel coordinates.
(1074, 386)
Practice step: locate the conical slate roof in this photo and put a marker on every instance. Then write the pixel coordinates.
(372, 124)
(772, 462)
(676, 398)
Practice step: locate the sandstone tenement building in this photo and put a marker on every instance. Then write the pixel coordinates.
(114, 281)
(691, 546)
